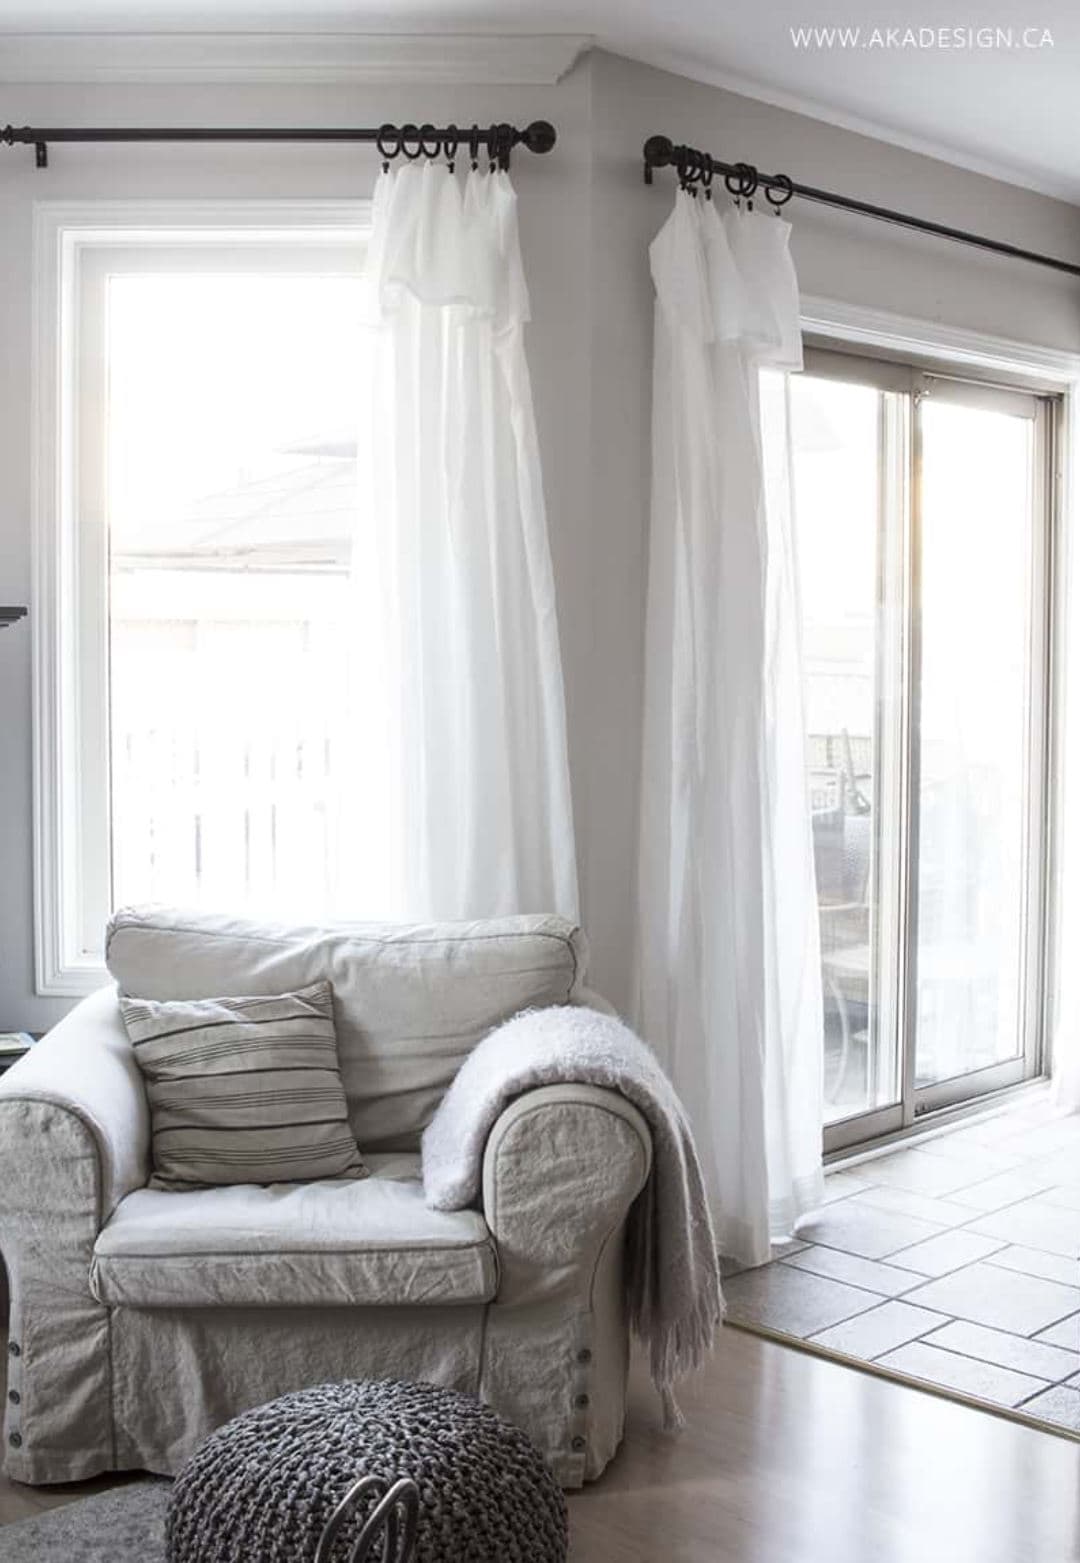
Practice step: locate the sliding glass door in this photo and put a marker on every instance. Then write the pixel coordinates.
(853, 593)
(923, 524)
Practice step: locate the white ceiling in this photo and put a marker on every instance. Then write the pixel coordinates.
(1014, 113)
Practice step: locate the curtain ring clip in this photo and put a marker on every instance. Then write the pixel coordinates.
(778, 191)
(388, 134)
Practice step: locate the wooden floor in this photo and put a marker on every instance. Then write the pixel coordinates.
(792, 1459)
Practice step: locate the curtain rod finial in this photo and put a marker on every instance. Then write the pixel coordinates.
(539, 136)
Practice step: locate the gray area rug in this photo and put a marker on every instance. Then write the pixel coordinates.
(126, 1525)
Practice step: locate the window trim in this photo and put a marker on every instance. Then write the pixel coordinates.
(64, 233)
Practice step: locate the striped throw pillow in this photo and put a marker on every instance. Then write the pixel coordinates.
(243, 1090)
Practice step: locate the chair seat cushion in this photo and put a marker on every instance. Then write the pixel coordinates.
(330, 1244)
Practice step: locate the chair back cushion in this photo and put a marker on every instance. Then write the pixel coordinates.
(410, 1000)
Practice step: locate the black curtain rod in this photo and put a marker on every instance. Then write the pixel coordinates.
(409, 140)
(743, 179)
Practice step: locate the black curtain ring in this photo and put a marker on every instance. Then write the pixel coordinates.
(695, 173)
(451, 142)
(410, 133)
(474, 147)
(778, 191)
(742, 180)
(707, 175)
(388, 142)
(492, 146)
(506, 142)
(429, 133)
(689, 168)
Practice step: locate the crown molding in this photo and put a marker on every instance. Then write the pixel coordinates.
(297, 58)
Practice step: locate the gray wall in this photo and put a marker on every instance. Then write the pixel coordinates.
(586, 223)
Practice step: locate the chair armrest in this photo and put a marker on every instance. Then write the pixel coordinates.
(74, 1140)
(562, 1166)
(85, 1068)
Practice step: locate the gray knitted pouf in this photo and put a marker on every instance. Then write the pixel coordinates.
(262, 1488)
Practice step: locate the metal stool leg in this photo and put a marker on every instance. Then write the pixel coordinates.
(391, 1525)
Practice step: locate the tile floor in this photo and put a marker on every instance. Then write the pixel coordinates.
(956, 1261)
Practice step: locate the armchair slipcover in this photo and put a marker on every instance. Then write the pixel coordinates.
(141, 1320)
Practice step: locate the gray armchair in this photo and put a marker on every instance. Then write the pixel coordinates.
(141, 1319)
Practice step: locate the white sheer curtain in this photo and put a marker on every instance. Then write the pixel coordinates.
(462, 797)
(728, 966)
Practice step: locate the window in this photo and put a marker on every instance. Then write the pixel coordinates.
(923, 527)
(203, 463)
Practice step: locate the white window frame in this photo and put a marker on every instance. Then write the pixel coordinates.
(842, 327)
(66, 962)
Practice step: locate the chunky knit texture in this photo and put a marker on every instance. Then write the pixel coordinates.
(261, 1489)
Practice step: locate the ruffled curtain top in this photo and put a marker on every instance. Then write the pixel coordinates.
(729, 279)
(446, 244)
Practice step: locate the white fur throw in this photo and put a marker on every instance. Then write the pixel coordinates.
(672, 1276)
